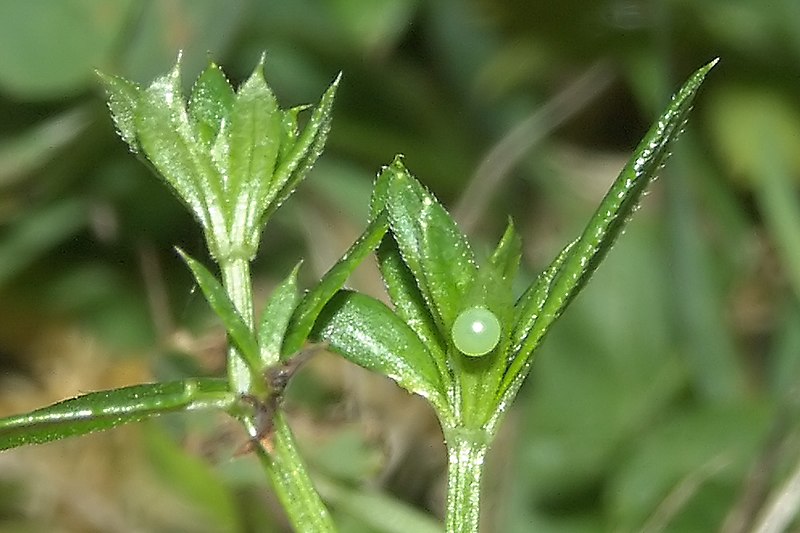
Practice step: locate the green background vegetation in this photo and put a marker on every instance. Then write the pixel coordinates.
(665, 399)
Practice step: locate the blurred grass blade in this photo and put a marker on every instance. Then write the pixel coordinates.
(382, 513)
(30, 150)
(102, 410)
(37, 232)
(617, 206)
(312, 303)
(366, 332)
(275, 318)
(241, 335)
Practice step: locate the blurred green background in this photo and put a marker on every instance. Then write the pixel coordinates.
(666, 399)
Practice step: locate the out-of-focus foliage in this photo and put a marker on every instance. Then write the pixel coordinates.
(666, 398)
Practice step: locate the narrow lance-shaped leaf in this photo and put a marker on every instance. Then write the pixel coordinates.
(312, 303)
(403, 289)
(210, 103)
(167, 137)
(506, 257)
(275, 318)
(619, 203)
(366, 332)
(254, 137)
(218, 299)
(526, 312)
(432, 246)
(410, 306)
(294, 166)
(123, 99)
(102, 410)
(289, 131)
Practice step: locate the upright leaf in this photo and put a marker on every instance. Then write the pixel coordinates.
(123, 99)
(210, 103)
(506, 257)
(254, 138)
(410, 306)
(619, 203)
(305, 152)
(312, 303)
(275, 318)
(167, 138)
(431, 244)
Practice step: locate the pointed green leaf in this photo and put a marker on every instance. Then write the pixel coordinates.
(506, 257)
(619, 203)
(123, 99)
(431, 245)
(409, 304)
(254, 139)
(526, 311)
(218, 299)
(305, 152)
(401, 286)
(380, 189)
(312, 303)
(289, 130)
(529, 305)
(168, 139)
(366, 332)
(210, 103)
(102, 410)
(275, 318)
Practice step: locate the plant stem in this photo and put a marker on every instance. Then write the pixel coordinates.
(236, 280)
(291, 482)
(466, 451)
(283, 463)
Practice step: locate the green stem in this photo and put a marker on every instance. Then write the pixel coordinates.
(236, 279)
(291, 482)
(284, 465)
(466, 452)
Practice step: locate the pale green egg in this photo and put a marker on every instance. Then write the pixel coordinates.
(476, 331)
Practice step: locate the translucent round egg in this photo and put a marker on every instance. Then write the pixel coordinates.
(476, 331)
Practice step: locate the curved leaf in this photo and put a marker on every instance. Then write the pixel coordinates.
(366, 332)
(410, 306)
(102, 410)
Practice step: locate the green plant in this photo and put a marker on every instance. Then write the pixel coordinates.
(457, 335)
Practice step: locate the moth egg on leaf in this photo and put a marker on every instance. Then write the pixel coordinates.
(476, 331)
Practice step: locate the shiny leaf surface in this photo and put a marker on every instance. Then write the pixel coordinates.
(367, 333)
(102, 410)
